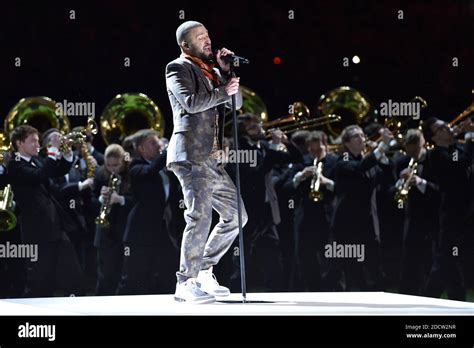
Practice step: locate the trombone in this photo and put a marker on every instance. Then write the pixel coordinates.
(397, 126)
(300, 119)
(466, 112)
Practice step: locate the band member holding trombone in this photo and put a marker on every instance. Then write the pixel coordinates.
(43, 220)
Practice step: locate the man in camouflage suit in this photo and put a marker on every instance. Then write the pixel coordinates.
(199, 93)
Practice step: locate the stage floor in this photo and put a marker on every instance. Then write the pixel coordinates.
(335, 303)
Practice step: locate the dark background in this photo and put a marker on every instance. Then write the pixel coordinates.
(83, 59)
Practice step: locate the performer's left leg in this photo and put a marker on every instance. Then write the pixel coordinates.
(224, 201)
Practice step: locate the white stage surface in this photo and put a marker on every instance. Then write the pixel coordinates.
(335, 303)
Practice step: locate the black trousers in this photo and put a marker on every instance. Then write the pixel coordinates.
(447, 270)
(57, 267)
(263, 256)
(12, 270)
(417, 257)
(311, 235)
(149, 269)
(310, 261)
(446, 274)
(109, 269)
(345, 274)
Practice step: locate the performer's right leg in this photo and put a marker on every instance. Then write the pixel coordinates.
(197, 194)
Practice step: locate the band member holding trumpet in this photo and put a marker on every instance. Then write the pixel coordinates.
(43, 220)
(314, 195)
(355, 219)
(69, 190)
(418, 196)
(452, 170)
(113, 202)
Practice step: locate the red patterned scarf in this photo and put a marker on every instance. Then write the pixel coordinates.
(207, 69)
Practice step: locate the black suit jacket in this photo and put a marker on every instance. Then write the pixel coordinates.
(252, 178)
(308, 214)
(452, 173)
(420, 208)
(67, 190)
(42, 218)
(113, 235)
(145, 222)
(356, 180)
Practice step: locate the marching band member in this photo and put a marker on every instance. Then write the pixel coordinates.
(43, 220)
(312, 219)
(110, 232)
(355, 219)
(419, 207)
(452, 170)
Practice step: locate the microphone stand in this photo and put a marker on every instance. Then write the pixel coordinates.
(239, 203)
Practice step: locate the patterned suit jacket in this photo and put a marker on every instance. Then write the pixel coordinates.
(195, 103)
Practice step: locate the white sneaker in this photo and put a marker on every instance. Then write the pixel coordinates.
(190, 292)
(207, 282)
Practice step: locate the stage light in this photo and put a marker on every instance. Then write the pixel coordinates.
(356, 59)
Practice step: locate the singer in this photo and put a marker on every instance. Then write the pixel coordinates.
(199, 87)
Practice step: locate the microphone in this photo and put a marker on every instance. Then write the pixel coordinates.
(233, 59)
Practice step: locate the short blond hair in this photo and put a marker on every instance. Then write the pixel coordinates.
(114, 150)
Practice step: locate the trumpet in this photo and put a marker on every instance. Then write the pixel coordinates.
(314, 193)
(401, 195)
(102, 219)
(75, 136)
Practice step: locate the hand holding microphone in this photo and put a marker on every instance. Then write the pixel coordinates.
(226, 57)
(224, 62)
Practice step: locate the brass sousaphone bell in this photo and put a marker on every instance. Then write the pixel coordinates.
(128, 113)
